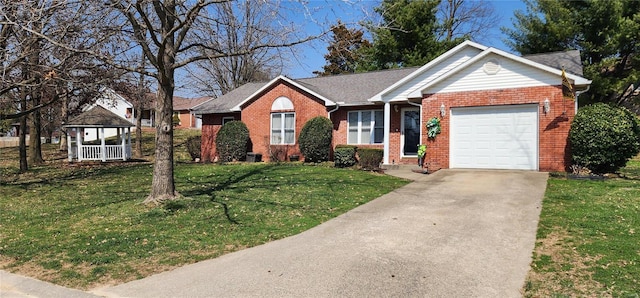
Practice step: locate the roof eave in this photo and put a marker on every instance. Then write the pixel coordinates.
(238, 107)
(447, 54)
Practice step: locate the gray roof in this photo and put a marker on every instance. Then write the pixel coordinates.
(570, 60)
(98, 117)
(356, 89)
(347, 89)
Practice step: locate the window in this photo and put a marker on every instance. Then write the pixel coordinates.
(365, 127)
(283, 128)
(226, 120)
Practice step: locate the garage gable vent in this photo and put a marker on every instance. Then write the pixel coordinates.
(492, 66)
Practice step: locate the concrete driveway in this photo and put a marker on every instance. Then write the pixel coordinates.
(450, 234)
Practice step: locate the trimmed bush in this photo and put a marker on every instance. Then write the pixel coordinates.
(232, 140)
(193, 146)
(603, 137)
(315, 139)
(370, 158)
(344, 156)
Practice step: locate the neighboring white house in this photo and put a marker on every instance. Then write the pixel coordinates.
(117, 104)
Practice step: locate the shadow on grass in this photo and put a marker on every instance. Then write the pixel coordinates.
(232, 182)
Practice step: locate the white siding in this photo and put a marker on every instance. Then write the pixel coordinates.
(430, 74)
(512, 74)
(115, 104)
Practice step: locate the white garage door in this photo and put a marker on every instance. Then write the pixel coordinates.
(497, 137)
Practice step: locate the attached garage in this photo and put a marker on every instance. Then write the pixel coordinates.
(494, 137)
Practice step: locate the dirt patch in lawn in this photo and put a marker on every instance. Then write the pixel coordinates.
(558, 269)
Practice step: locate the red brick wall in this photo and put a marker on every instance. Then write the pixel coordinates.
(553, 127)
(186, 120)
(257, 116)
(211, 124)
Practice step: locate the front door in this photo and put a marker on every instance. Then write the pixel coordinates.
(410, 131)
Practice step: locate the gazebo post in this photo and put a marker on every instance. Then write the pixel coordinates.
(69, 146)
(124, 144)
(103, 145)
(79, 141)
(129, 141)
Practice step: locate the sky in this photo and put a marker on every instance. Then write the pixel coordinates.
(311, 57)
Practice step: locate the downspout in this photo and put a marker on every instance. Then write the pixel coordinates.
(578, 93)
(329, 114)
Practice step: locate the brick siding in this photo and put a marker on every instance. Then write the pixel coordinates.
(553, 128)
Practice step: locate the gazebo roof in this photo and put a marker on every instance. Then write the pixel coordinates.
(98, 117)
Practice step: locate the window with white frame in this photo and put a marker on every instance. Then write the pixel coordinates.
(283, 128)
(226, 120)
(365, 127)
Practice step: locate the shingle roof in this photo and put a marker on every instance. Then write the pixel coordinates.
(350, 89)
(181, 103)
(570, 60)
(98, 117)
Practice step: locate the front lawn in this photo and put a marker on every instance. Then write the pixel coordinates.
(589, 238)
(85, 226)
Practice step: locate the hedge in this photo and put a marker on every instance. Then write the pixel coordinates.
(370, 158)
(344, 156)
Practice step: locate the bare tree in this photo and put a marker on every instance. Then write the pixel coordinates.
(466, 19)
(239, 27)
(35, 69)
(170, 34)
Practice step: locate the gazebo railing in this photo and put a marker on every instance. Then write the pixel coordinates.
(113, 152)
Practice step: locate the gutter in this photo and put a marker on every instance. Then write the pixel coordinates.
(578, 93)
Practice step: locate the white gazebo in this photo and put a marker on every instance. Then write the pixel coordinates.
(100, 119)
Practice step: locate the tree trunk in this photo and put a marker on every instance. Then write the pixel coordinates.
(35, 133)
(162, 186)
(24, 166)
(63, 112)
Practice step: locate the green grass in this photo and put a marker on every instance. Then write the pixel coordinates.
(84, 225)
(589, 238)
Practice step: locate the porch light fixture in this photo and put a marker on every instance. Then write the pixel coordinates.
(547, 106)
(443, 110)
(395, 108)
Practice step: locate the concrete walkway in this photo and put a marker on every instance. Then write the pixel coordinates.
(452, 233)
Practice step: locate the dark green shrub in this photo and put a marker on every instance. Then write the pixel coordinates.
(315, 139)
(370, 158)
(344, 156)
(603, 137)
(232, 140)
(193, 146)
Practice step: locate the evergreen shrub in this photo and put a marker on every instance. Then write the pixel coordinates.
(344, 156)
(603, 137)
(232, 140)
(370, 158)
(315, 139)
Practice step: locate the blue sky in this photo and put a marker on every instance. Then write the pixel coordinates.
(319, 14)
(311, 56)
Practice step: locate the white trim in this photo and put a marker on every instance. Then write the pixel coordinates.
(282, 128)
(238, 107)
(437, 60)
(372, 128)
(387, 133)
